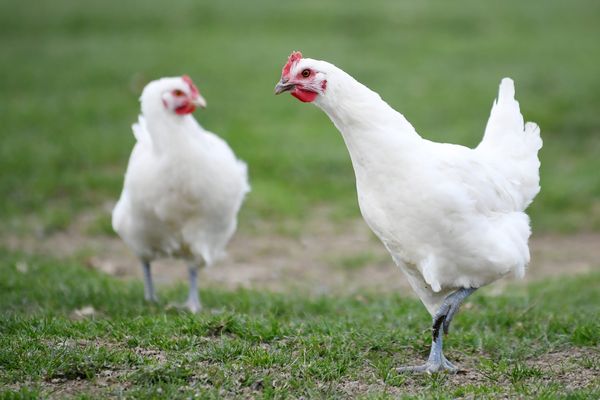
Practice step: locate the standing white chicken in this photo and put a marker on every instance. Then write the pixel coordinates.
(451, 217)
(183, 186)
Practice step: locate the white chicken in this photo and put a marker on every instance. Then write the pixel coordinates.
(451, 217)
(183, 186)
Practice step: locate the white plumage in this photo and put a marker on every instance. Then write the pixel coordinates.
(183, 186)
(451, 217)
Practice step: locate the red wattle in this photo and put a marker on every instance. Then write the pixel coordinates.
(305, 96)
(187, 108)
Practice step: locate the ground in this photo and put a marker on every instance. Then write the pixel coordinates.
(325, 256)
(316, 313)
(307, 304)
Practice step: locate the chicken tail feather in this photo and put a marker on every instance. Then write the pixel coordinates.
(513, 145)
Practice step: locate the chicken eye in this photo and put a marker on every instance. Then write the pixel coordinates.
(306, 73)
(178, 92)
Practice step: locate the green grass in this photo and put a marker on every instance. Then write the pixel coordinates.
(70, 76)
(71, 73)
(263, 345)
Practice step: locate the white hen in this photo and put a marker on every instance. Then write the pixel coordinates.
(451, 217)
(183, 186)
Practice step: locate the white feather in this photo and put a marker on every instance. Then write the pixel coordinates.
(450, 216)
(183, 186)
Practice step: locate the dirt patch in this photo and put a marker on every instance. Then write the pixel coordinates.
(563, 367)
(571, 369)
(338, 257)
(574, 369)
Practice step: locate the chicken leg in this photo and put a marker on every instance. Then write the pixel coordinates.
(193, 301)
(441, 320)
(149, 293)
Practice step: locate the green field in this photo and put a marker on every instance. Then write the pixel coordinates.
(70, 77)
(252, 344)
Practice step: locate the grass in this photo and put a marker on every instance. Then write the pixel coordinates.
(71, 73)
(264, 345)
(70, 76)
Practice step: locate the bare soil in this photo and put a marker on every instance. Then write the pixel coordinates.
(326, 257)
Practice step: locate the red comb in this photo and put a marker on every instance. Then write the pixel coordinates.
(292, 59)
(190, 83)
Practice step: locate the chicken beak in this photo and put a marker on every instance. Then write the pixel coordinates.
(283, 87)
(199, 101)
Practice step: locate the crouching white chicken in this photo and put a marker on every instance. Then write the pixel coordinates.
(451, 217)
(183, 186)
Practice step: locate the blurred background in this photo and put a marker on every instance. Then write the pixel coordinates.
(71, 74)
